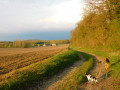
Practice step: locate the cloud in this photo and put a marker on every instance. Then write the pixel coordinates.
(18, 16)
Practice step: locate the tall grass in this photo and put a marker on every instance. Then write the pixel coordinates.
(78, 77)
(39, 71)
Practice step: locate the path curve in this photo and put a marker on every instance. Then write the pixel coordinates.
(68, 72)
(56, 79)
(100, 73)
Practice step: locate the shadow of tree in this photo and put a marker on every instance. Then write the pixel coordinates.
(103, 77)
(115, 63)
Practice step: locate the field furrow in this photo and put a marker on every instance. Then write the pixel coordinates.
(22, 59)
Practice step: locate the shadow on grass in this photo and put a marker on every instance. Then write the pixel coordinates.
(103, 77)
(87, 57)
(93, 65)
(115, 63)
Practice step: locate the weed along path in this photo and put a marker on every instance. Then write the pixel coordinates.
(72, 78)
(100, 73)
(65, 74)
(57, 79)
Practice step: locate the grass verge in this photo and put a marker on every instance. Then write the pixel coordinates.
(114, 56)
(78, 77)
(38, 71)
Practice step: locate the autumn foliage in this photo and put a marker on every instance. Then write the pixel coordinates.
(100, 26)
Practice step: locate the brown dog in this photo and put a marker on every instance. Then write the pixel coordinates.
(107, 63)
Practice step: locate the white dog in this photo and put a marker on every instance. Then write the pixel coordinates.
(91, 78)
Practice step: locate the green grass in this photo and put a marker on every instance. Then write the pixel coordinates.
(113, 55)
(39, 71)
(78, 77)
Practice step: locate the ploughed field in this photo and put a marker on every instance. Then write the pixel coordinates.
(12, 59)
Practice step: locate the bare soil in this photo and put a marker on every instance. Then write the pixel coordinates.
(98, 71)
(57, 79)
(12, 59)
(14, 51)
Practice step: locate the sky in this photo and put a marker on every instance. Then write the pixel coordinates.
(39, 19)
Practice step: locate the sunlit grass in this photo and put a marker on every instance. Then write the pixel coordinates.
(113, 55)
(38, 71)
(78, 77)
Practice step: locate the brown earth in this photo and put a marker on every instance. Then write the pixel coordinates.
(14, 51)
(98, 71)
(12, 59)
(53, 82)
(20, 54)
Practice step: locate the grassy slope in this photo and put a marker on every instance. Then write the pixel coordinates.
(39, 71)
(114, 56)
(78, 76)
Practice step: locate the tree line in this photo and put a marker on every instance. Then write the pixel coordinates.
(100, 26)
(30, 43)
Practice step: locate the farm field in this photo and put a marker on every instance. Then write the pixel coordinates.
(16, 58)
(31, 69)
(18, 70)
(12, 51)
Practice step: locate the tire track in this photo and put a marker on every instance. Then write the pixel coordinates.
(100, 73)
(56, 79)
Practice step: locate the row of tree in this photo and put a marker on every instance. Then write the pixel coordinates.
(30, 43)
(19, 44)
(100, 26)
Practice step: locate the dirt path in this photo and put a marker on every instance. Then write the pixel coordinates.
(100, 73)
(55, 80)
